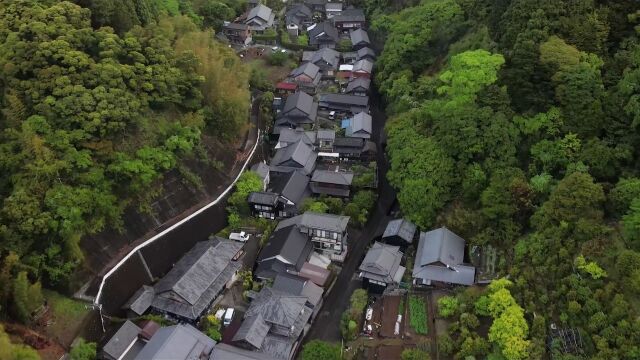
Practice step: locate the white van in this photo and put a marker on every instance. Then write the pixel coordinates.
(228, 316)
(241, 236)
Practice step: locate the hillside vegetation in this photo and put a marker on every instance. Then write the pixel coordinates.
(515, 123)
(91, 118)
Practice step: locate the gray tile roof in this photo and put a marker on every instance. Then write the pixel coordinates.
(297, 156)
(326, 56)
(299, 286)
(333, 6)
(287, 245)
(350, 15)
(332, 177)
(462, 275)
(177, 342)
(366, 52)
(322, 30)
(293, 186)
(440, 245)
(261, 14)
(297, 14)
(253, 330)
(358, 84)
(228, 352)
(382, 263)
(141, 300)
(401, 228)
(363, 66)
(326, 134)
(300, 101)
(311, 70)
(343, 99)
(361, 126)
(197, 278)
(439, 257)
(118, 345)
(277, 308)
(289, 136)
(349, 142)
(313, 220)
(359, 37)
(236, 26)
(262, 197)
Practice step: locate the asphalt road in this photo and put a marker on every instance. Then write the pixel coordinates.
(327, 325)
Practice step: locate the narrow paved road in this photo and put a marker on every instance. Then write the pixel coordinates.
(327, 324)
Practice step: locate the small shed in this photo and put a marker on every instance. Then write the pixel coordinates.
(400, 232)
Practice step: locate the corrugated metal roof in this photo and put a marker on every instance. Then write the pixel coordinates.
(121, 340)
(381, 262)
(178, 342)
(402, 228)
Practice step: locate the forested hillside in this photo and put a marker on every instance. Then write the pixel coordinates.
(93, 113)
(515, 123)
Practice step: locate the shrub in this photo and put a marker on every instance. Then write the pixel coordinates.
(320, 350)
(414, 354)
(448, 306)
(83, 350)
(277, 58)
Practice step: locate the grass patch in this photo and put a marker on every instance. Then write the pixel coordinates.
(66, 316)
(418, 314)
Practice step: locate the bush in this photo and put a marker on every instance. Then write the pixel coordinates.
(445, 344)
(346, 327)
(359, 300)
(277, 58)
(83, 350)
(211, 326)
(448, 306)
(320, 350)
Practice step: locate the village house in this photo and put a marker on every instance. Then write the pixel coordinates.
(326, 59)
(299, 15)
(260, 18)
(332, 9)
(359, 39)
(327, 232)
(237, 33)
(399, 232)
(283, 199)
(439, 258)
(332, 183)
(306, 76)
(362, 69)
(193, 284)
(274, 324)
(285, 88)
(344, 104)
(381, 267)
(315, 5)
(299, 286)
(299, 109)
(285, 252)
(354, 149)
(349, 19)
(325, 139)
(366, 53)
(177, 342)
(323, 35)
(360, 126)
(358, 86)
(298, 156)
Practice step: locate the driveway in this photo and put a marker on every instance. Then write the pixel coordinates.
(327, 324)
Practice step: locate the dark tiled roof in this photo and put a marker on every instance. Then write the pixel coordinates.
(314, 220)
(289, 245)
(292, 186)
(366, 52)
(297, 156)
(264, 198)
(332, 177)
(360, 83)
(325, 28)
(236, 26)
(253, 331)
(402, 228)
(343, 99)
(359, 36)
(228, 352)
(197, 278)
(141, 300)
(309, 69)
(121, 340)
(382, 263)
(350, 15)
(177, 342)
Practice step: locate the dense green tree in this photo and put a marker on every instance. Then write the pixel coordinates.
(320, 350)
(214, 13)
(83, 350)
(10, 351)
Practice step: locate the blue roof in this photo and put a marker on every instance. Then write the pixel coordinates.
(345, 123)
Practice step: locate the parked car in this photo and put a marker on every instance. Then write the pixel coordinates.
(228, 316)
(241, 236)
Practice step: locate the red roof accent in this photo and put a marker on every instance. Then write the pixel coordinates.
(286, 86)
